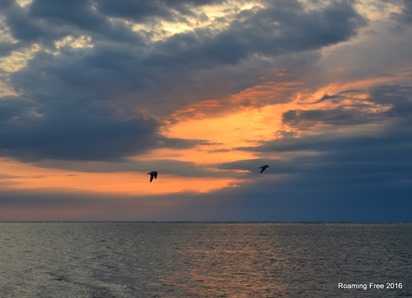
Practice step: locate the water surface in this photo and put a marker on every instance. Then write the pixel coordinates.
(203, 259)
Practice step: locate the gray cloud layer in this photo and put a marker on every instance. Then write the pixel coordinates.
(342, 172)
(104, 102)
(79, 103)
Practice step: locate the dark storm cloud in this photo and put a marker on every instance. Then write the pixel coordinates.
(82, 139)
(140, 11)
(46, 21)
(398, 96)
(193, 65)
(340, 116)
(6, 3)
(68, 111)
(366, 168)
(279, 29)
(135, 10)
(83, 136)
(324, 177)
(82, 104)
(286, 26)
(6, 48)
(79, 15)
(27, 29)
(11, 107)
(93, 75)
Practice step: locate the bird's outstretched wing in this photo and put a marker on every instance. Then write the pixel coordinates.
(153, 174)
(263, 168)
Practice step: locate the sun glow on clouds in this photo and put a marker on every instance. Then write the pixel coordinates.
(244, 119)
(75, 42)
(211, 17)
(24, 3)
(222, 132)
(375, 10)
(24, 176)
(18, 59)
(201, 91)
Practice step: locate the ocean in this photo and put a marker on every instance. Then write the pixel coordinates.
(144, 259)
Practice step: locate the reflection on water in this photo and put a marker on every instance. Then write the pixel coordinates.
(202, 260)
(233, 261)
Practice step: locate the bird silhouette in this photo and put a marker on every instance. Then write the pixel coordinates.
(153, 174)
(263, 168)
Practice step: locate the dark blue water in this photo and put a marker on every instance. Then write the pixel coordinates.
(205, 260)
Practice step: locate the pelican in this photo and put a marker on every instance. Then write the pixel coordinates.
(263, 168)
(153, 174)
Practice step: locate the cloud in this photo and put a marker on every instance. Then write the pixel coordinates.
(405, 16)
(96, 84)
(143, 10)
(82, 140)
(4, 176)
(345, 161)
(302, 118)
(264, 199)
(340, 96)
(313, 198)
(45, 22)
(84, 103)
(86, 138)
(283, 27)
(385, 107)
(331, 176)
(6, 48)
(398, 96)
(163, 166)
(277, 30)
(10, 107)
(356, 60)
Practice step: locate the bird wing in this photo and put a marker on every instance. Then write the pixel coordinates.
(151, 177)
(155, 175)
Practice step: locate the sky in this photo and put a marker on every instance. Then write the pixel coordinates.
(94, 94)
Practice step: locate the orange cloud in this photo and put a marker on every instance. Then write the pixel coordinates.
(238, 121)
(22, 176)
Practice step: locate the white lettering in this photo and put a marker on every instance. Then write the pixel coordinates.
(341, 285)
(376, 286)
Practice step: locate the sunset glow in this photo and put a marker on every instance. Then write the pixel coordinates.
(95, 95)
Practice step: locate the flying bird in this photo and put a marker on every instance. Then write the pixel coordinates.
(263, 168)
(153, 174)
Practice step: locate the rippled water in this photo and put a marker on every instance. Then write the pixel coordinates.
(203, 259)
